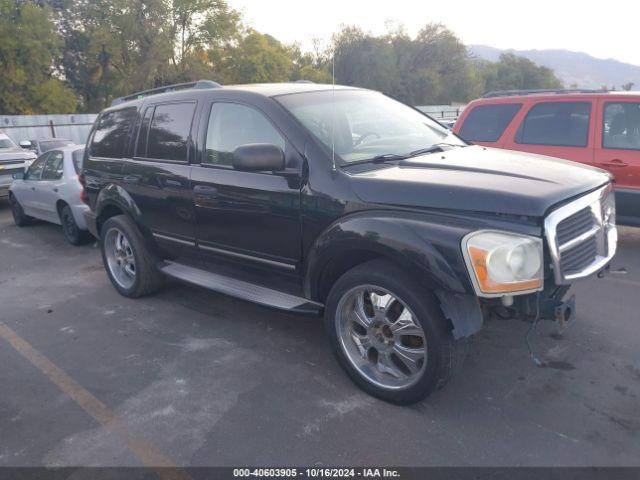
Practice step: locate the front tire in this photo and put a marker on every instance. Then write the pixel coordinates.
(131, 266)
(20, 218)
(389, 334)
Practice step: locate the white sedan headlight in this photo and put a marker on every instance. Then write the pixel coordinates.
(503, 263)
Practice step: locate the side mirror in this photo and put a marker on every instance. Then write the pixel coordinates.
(258, 157)
(18, 176)
(26, 144)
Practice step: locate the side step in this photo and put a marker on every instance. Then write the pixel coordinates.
(240, 289)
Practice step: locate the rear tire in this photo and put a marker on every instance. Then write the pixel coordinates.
(20, 218)
(406, 350)
(73, 234)
(131, 266)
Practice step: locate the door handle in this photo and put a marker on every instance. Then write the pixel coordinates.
(33, 188)
(614, 163)
(55, 190)
(205, 191)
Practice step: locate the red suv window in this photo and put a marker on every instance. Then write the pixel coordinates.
(564, 124)
(486, 123)
(621, 126)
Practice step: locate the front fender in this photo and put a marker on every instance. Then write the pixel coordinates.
(428, 245)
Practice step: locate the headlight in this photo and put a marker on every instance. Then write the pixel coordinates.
(503, 263)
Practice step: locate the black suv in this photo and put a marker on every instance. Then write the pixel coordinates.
(336, 200)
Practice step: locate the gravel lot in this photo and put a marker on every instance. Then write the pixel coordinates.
(91, 378)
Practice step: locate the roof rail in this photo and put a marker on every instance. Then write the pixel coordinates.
(509, 93)
(200, 84)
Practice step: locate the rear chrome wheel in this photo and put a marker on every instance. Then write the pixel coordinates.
(380, 337)
(120, 258)
(130, 264)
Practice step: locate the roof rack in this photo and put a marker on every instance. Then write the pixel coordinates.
(200, 84)
(509, 93)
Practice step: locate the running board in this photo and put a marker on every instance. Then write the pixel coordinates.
(240, 289)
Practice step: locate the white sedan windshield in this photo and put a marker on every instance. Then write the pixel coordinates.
(361, 124)
(6, 143)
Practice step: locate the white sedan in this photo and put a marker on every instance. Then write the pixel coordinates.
(50, 190)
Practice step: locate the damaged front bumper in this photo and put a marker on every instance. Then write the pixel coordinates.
(558, 304)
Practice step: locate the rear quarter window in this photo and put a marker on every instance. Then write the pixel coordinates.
(487, 123)
(111, 134)
(621, 126)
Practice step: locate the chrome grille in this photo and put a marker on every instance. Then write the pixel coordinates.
(575, 225)
(577, 258)
(582, 235)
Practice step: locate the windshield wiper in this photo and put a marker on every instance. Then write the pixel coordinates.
(432, 149)
(394, 157)
(385, 157)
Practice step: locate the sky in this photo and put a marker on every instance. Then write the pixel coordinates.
(583, 26)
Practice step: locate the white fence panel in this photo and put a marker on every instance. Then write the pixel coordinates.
(442, 112)
(75, 127)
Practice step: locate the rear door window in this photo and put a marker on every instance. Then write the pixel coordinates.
(561, 124)
(169, 132)
(621, 126)
(53, 167)
(487, 123)
(112, 133)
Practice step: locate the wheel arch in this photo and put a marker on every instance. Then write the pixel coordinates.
(60, 204)
(428, 251)
(114, 200)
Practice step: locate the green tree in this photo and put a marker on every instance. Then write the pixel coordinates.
(115, 47)
(434, 67)
(312, 66)
(256, 58)
(29, 83)
(513, 72)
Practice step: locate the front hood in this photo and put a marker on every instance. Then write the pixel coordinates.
(11, 155)
(478, 179)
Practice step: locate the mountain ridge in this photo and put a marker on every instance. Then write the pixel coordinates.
(573, 68)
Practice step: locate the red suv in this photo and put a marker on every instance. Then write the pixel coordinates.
(596, 128)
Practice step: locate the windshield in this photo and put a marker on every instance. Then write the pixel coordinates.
(362, 124)
(6, 143)
(46, 145)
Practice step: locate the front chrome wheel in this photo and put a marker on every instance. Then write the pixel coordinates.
(120, 258)
(381, 337)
